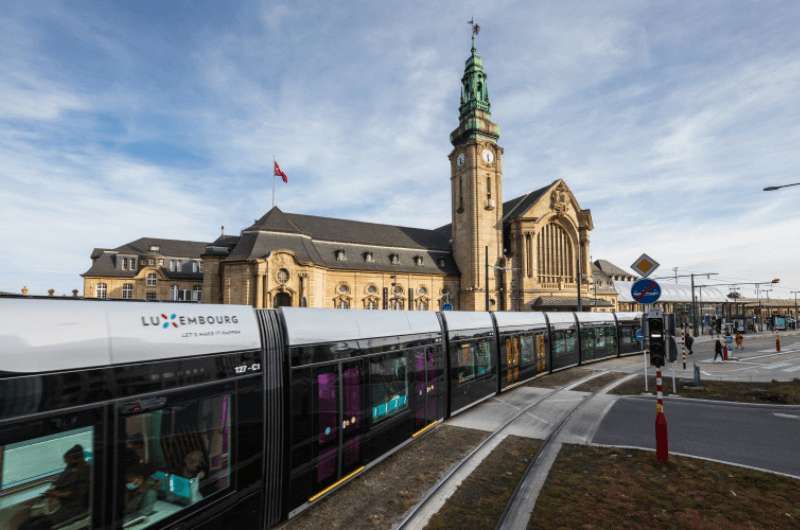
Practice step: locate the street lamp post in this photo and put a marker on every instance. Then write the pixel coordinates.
(795, 307)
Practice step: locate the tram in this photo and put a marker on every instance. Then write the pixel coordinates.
(155, 415)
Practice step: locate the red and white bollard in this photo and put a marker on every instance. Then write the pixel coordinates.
(662, 442)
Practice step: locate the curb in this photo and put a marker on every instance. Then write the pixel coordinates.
(717, 402)
(726, 462)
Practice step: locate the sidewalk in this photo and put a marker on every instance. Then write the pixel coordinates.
(710, 338)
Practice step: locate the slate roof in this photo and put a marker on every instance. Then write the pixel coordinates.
(104, 261)
(315, 239)
(609, 269)
(167, 247)
(347, 231)
(517, 206)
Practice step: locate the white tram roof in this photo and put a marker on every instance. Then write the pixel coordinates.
(517, 319)
(629, 315)
(464, 320)
(589, 317)
(313, 326)
(47, 335)
(561, 317)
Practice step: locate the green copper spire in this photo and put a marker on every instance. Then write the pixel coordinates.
(474, 93)
(475, 117)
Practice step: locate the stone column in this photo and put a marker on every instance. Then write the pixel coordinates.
(261, 284)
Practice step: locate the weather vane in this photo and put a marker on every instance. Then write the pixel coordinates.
(475, 30)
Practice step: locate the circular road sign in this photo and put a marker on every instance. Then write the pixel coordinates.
(646, 291)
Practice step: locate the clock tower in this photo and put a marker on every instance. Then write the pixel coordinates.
(476, 189)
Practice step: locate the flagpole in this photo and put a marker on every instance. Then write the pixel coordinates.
(273, 181)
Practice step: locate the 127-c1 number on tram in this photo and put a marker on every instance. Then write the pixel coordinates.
(245, 368)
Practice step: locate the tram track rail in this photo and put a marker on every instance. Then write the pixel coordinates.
(412, 518)
(516, 515)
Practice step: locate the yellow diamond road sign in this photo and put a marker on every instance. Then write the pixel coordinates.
(645, 265)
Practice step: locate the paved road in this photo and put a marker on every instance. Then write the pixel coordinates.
(760, 436)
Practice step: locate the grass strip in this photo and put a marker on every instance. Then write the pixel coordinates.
(380, 497)
(598, 487)
(480, 500)
(593, 385)
(562, 378)
(773, 392)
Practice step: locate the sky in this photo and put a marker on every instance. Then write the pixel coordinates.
(120, 120)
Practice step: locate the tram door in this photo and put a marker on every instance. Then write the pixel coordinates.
(340, 420)
(428, 386)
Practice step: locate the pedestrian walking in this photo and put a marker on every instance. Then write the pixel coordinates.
(739, 341)
(718, 350)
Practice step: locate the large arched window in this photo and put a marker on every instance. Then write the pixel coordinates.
(556, 257)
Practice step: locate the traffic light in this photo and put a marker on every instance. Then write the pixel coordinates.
(657, 339)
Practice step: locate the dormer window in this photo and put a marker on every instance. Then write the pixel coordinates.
(369, 257)
(154, 248)
(195, 267)
(340, 255)
(441, 262)
(418, 261)
(394, 259)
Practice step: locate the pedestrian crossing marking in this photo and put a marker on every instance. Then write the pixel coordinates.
(795, 369)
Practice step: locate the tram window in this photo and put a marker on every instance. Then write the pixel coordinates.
(527, 352)
(588, 344)
(45, 482)
(473, 359)
(388, 386)
(173, 457)
(465, 363)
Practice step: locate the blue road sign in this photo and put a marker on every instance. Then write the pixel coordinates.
(639, 335)
(447, 307)
(646, 291)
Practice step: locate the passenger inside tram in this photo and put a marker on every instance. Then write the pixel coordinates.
(65, 501)
(174, 457)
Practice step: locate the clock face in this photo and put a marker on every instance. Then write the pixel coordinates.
(460, 160)
(487, 156)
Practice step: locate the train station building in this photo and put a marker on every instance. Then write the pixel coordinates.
(524, 253)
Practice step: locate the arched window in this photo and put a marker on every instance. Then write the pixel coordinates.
(101, 290)
(371, 303)
(396, 304)
(529, 255)
(152, 277)
(127, 291)
(488, 187)
(343, 303)
(555, 253)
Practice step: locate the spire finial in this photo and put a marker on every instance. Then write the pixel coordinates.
(475, 30)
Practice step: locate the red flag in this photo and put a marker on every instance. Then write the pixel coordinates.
(278, 172)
